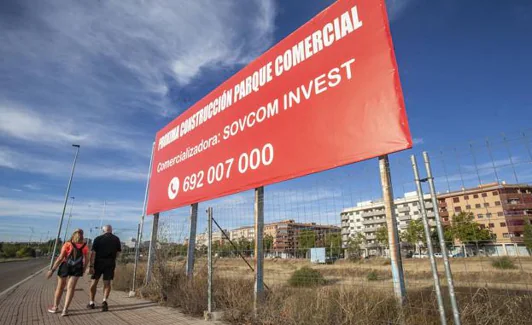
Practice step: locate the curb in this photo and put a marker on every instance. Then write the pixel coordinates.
(13, 287)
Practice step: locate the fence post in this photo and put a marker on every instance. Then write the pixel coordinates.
(393, 235)
(439, 227)
(209, 257)
(141, 227)
(259, 250)
(433, 264)
(191, 249)
(133, 286)
(153, 243)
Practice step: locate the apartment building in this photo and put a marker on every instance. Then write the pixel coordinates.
(367, 217)
(501, 208)
(286, 236)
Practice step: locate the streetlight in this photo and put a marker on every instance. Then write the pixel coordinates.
(77, 146)
(69, 217)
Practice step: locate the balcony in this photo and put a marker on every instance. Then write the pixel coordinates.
(345, 217)
(372, 245)
(403, 226)
(405, 218)
(371, 237)
(444, 214)
(373, 213)
(429, 205)
(431, 214)
(442, 204)
(370, 229)
(403, 209)
(374, 221)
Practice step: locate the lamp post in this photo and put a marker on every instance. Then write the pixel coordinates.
(77, 146)
(69, 218)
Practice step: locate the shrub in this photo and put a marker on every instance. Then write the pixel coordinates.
(504, 263)
(26, 252)
(372, 276)
(306, 277)
(10, 250)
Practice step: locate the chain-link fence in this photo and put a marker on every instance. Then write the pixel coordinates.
(326, 245)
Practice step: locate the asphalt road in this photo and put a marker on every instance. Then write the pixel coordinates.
(13, 272)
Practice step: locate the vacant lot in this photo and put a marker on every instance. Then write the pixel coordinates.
(354, 293)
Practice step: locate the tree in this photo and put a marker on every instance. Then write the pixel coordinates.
(245, 246)
(466, 230)
(333, 244)
(354, 244)
(381, 236)
(448, 237)
(527, 234)
(267, 242)
(414, 233)
(307, 240)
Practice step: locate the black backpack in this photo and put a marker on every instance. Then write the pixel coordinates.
(75, 258)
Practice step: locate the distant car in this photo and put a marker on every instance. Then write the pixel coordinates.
(419, 255)
(438, 255)
(459, 255)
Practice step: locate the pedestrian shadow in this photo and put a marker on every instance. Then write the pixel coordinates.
(114, 308)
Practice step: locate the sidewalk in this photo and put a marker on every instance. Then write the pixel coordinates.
(27, 305)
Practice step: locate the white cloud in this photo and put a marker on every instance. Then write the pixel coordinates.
(51, 207)
(396, 8)
(36, 164)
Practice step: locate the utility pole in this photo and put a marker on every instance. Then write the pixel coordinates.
(77, 146)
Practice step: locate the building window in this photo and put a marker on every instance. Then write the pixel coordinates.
(480, 216)
(491, 225)
(456, 199)
(468, 207)
(466, 197)
(495, 193)
(416, 213)
(488, 215)
(482, 226)
(475, 196)
(500, 214)
(503, 224)
(445, 219)
(506, 235)
(477, 206)
(458, 209)
(497, 203)
(484, 194)
(486, 204)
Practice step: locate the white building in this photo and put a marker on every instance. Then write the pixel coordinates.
(368, 216)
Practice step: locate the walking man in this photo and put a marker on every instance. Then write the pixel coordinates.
(105, 250)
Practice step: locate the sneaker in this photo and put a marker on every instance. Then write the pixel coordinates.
(64, 313)
(53, 310)
(104, 306)
(91, 306)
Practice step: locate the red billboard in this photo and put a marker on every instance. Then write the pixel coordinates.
(326, 96)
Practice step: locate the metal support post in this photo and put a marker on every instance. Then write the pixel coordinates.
(209, 260)
(434, 267)
(139, 238)
(191, 249)
(259, 250)
(439, 227)
(134, 282)
(69, 218)
(153, 243)
(64, 206)
(393, 235)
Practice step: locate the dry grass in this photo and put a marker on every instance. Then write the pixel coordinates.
(486, 295)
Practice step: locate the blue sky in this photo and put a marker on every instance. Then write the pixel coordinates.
(109, 74)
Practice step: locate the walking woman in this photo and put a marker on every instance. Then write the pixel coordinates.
(72, 264)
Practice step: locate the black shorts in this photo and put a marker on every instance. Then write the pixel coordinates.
(105, 268)
(66, 270)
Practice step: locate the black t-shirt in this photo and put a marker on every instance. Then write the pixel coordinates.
(106, 247)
